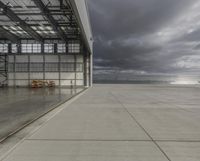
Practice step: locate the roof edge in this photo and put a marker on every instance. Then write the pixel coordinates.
(88, 40)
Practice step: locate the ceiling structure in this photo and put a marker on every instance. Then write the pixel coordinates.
(38, 20)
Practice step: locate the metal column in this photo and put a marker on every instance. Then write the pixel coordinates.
(3, 69)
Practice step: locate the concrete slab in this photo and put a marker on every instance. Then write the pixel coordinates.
(182, 151)
(86, 151)
(168, 123)
(111, 122)
(92, 124)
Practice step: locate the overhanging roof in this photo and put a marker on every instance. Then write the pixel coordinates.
(45, 19)
(38, 19)
(81, 11)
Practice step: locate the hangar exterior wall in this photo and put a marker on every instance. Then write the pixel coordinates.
(82, 14)
(81, 11)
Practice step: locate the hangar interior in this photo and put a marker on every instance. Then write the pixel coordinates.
(44, 40)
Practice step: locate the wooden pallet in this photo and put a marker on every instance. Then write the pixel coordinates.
(42, 83)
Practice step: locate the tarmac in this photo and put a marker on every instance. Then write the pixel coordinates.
(119, 123)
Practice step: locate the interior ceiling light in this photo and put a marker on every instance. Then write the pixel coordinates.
(52, 32)
(33, 27)
(6, 27)
(48, 28)
(13, 28)
(41, 27)
(39, 32)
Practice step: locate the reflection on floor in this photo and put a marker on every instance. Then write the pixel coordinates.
(18, 106)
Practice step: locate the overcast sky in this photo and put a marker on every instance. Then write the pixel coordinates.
(146, 36)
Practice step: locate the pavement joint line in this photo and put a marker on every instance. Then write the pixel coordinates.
(40, 126)
(89, 140)
(131, 140)
(179, 141)
(134, 118)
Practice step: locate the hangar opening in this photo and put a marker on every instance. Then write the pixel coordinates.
(45, 40)
(45, 58)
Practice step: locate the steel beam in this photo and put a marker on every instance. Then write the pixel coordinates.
(51, 19)
(9, 13)
(6, 34)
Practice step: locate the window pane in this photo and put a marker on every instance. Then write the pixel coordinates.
(74, 48)
(14, 48)
(61, 48)
(48, 48)
(4, 48)
(36, 48)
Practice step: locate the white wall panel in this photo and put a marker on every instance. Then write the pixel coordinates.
(10, 75)
(51, 58)
(67, 75)
(36, 58)
(67, 58)
(51, 76)
(11, 59)
(79, 75)
(22, 83)
(21, 75)
(79, 58)
(36, 76)
(21, 58)
(79, 82)
(67, 82)
(10, 82)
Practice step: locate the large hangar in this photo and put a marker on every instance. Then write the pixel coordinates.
(45, 40)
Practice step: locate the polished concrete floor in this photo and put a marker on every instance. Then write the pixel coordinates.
(120, 123)
(19, 106)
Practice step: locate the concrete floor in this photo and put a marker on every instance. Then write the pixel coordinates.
(18, 106)
(120, 123)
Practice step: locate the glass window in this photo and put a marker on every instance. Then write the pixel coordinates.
(4, 48)
(74, 48)
(61, 48)
(26, 48)
(49, 48)
(36, 48)
(14, 48)
(31, 48)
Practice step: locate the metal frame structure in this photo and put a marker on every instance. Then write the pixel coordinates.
(3, 69)
(42, 22)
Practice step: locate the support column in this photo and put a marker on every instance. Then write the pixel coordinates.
(7, 61)
(29, 69)
(14, 62)
(44, 60)
(75, 70)
(85, 70)
(59, 62)
(90, 69)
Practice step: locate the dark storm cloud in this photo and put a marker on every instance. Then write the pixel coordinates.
(197, 47)
(154, 36)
